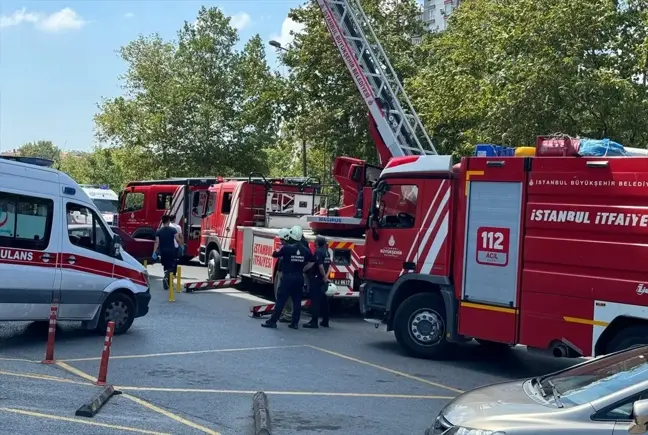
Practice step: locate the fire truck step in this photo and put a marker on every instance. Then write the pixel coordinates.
(191, 287)
(267, 309)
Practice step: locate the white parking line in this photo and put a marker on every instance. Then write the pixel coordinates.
(228, 291)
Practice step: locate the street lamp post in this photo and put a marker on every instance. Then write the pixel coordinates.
(278, 46)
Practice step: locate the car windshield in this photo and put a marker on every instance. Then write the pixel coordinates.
(596, 379)
(106, 205)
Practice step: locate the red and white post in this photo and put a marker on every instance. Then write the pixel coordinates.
(51, 332)
(105, 355)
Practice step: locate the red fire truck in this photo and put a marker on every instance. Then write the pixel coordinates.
(541, 251)
(142, 204)
(501, 249)
(241, 225)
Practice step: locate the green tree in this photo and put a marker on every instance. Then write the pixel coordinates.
(42, 148)
(196, 106)
(506, 71)
(322, 103)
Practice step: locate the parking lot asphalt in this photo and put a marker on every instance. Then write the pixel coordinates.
(191, 367)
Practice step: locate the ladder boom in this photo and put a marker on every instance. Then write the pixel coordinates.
(396, 120)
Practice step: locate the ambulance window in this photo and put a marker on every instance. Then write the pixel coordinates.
(134, 201)
(25, 221)
(164, 201)
(226, 205)
(397, 206)
(91, 234)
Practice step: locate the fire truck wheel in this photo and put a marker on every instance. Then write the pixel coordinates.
(214, 272)
(120, 309)
(628, 337)
(419, 325)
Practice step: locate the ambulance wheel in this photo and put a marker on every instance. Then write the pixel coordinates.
(214, 271)
(627, 338)
(420, 326)
(118, 308)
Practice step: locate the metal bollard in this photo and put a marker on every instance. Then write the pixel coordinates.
(178, 280)
(171, 292)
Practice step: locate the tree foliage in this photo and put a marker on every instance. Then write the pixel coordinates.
(41, 148)
(506, 71)
(196, 106)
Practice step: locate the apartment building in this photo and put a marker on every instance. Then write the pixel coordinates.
(436, 13)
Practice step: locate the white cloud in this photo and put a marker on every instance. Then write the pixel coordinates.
(17, 18)
(240, 21)
(129, 15)
(65, 19)
(289, 29)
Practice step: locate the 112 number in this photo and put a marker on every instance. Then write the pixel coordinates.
(492, 240)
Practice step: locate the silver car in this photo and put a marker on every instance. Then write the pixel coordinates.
(604, 396)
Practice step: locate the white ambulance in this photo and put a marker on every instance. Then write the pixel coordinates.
(45, 260)
(105, 199)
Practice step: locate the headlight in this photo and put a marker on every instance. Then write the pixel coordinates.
(458, 430)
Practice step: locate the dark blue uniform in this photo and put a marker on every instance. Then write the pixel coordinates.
(167, 248)
(293, 258)
(319, 300)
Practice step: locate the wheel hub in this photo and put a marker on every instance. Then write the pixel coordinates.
(426, 327)
(117, 312)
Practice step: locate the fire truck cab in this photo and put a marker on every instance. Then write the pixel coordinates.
(142, 204)
(242, 223)
(547, 252)
(251, 202)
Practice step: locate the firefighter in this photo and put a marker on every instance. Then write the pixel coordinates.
(286, 314)
(294, 259)
(318, 284)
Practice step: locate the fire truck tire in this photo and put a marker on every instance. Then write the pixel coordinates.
(214, 271)
(420, 326)
(628, 337)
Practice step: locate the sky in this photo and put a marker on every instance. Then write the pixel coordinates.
(58, 58)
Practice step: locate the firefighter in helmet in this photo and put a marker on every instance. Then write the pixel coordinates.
(294, 258)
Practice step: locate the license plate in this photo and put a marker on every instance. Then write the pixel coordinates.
(342, 282)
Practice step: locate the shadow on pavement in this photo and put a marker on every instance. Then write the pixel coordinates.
(511, 363)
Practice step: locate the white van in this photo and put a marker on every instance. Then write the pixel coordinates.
(44, 260)
(104, 199)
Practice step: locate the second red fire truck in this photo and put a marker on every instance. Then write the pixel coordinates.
(241, 224)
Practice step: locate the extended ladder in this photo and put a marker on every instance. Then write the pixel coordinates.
(396, 120)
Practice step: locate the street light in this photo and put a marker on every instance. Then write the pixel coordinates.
(278, 46)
